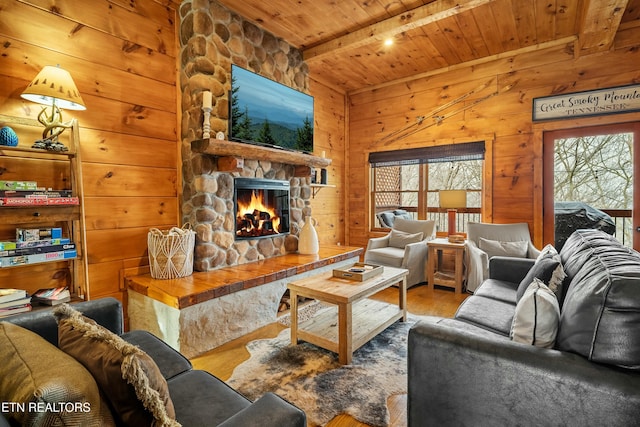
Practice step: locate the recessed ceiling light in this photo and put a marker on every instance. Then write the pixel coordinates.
(388, 42)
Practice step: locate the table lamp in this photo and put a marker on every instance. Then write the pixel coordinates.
(54, 87)
(451, 200)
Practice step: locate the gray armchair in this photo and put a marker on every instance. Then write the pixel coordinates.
(405, 247)
(504, 240)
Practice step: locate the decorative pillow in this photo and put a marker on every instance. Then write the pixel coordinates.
(510, 249)
(548, 250)
(543, 270)
(127, 376)
(400, 239)
(536, 317)
(45, 385)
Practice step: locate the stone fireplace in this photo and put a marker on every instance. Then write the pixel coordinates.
(212, 38)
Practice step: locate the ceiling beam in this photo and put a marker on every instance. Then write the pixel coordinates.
(378, 32)
(599, 25)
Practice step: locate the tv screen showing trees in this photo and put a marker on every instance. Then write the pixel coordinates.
(269, 113)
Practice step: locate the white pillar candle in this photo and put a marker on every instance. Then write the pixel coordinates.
(323, 154)
(206, 99)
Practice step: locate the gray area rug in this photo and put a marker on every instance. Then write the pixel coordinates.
(312, 379)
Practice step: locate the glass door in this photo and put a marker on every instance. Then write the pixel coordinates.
(591, 181)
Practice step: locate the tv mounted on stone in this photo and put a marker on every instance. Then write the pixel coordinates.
(268, 113)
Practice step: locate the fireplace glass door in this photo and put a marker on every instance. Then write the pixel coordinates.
(261, 208)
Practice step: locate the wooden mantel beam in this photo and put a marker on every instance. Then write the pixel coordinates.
(393, 26)
(233, 152)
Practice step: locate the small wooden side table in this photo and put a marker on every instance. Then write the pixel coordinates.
(435, 274)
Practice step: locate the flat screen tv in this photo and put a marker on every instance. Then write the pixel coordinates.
(269, 113)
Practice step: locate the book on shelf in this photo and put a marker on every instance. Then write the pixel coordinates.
(31, 250)
(36, 234)
(36, 193)
(51, 296)
(12, 261)
(18, 185)
(10, 294)
(5, 312)
(39, 201)
(16, 303)
(16, 244)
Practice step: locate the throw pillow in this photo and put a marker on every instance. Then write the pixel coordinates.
(548, 250)
(536, 317)
(127, 376)
(543, 270)
(493, 248)
(556, 282)
(400, 239)
(45, 385)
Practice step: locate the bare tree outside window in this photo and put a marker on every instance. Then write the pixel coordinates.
(461, 175)
(596, 170)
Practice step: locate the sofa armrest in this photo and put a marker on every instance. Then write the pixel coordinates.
(105, 311)
(269, 410)
(477, 265)
(378, 242)
(458, 377)
(509, 269)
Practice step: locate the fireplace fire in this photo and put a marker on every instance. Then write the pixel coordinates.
(261, 207)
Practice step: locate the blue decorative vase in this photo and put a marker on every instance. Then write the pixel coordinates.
(8, 137)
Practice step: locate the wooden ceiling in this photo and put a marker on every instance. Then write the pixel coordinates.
(343, 40)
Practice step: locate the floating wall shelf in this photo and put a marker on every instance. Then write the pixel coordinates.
(317, 187)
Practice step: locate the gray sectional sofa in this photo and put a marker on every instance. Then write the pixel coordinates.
(199, 398)
(468, 371)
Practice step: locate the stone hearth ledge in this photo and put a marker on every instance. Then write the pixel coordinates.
(200, 312)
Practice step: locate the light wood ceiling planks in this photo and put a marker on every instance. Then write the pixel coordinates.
(342, 41)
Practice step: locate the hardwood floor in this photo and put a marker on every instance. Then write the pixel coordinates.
(420, 301)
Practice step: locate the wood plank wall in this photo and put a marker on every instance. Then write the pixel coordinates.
(122, 56)
(328, 205)
(517, 168)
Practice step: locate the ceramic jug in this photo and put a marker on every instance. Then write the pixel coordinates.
(308, 239)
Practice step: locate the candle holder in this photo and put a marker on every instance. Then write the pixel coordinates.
(206, 126)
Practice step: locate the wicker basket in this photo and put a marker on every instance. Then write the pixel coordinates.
(171, 252)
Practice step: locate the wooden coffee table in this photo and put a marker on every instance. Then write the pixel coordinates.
(359, 318)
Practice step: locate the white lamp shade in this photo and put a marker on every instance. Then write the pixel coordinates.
(53, 84)
(452, 199)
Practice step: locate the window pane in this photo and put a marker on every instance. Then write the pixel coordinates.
(465, 175)
(396, 187)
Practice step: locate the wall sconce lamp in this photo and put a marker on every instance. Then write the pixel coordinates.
(452, 200)
(53, 87)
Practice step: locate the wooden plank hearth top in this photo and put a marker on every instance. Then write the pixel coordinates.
(205, 285)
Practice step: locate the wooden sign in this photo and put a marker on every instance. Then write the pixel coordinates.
(615, 100)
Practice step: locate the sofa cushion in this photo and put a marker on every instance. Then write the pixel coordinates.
(400, 239)
(388, 256)
(203, 400)
(487, 313)
(498, 289)
(127, 376)
(169, 361)
(600, 316)
(543, 270)
(493, 248)
(536, 317)
(35, 372)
